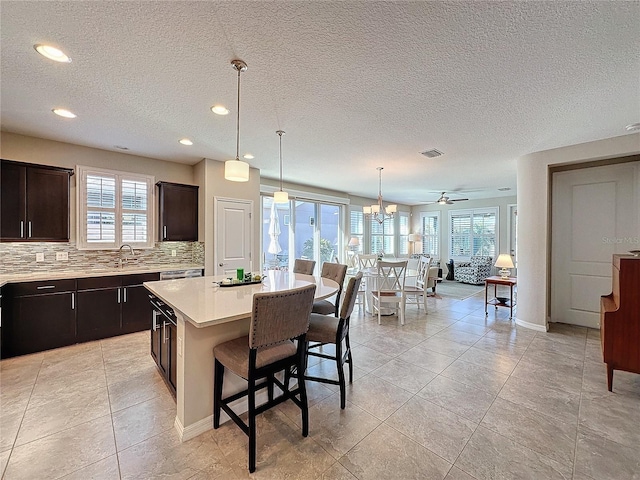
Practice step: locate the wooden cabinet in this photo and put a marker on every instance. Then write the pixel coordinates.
(178, 212)
(110, 306)
(34, 202)
(38, 316)
(164, 343)
(136, 309)
(620, 318)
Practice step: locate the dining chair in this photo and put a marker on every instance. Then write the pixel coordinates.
(327, 329)
(414, 292)
(276, 342)
(304, 266)
(365, 262)
(390, 288)
(337, 273)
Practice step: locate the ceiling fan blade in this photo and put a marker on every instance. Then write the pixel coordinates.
(457, 200)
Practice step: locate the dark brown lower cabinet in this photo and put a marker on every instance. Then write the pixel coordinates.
(164, 348)
(38, 316)
(110, 306)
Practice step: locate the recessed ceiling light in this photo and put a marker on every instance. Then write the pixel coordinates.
(52, 53)
(632, 127)
(219, 110)
(64, 113)
(186, 141)
(248, 156)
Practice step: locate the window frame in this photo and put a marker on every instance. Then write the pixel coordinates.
(471, 213)
(403, 234)
(425, 238)
(119, 211)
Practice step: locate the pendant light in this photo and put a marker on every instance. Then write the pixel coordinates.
(237, 170)
(280, 196)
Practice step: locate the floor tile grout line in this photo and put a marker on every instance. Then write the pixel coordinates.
(113, 428)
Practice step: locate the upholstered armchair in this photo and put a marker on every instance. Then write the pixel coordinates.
(475, 271)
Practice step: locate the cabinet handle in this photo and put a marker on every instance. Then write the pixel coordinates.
(73, 301)
(125, 294)
(164, 235)
(164, 332)
(21, 228)
(29, 228)
(154, 324)
(118, 294)
(45, 287)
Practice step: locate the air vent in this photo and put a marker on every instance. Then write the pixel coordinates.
(432, 153)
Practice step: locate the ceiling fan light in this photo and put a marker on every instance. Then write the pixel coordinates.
(236, 171)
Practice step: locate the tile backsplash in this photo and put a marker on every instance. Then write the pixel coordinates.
(21, 256)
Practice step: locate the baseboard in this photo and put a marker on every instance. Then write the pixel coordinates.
(201, 426)
(532, 326)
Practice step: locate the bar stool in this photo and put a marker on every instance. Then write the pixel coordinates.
(276, 342)
(304, 266)
(335, 272)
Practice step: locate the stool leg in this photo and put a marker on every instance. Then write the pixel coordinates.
(217, 392)
(340, 374)
(252, 424)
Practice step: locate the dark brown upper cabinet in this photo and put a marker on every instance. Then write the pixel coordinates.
(34, 202)
(178, 212)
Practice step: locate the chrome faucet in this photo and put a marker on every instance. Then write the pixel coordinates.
(120, 261)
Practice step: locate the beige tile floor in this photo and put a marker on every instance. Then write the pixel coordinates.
(449, 395)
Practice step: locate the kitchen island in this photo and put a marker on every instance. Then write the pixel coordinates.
(209, 314)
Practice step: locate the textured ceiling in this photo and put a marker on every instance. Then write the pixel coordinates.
(355, 85)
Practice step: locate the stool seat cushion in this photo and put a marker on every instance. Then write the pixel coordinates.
(324, 307)
(234, 354)
(322, 328)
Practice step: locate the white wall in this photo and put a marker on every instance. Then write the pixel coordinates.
(534, 207)
(26, 149)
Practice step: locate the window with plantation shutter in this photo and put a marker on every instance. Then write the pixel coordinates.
(357, 228)
(403, 238)
(473, 232)
(430, 229)
(382, 237)
(114, 208)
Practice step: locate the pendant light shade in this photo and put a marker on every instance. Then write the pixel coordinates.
(237, 170)
(280, 196)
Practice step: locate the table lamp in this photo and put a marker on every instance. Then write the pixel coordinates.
(505, 263)
(354, 243)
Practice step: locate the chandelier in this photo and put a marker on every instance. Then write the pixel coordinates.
(377, 211)
(237, 170)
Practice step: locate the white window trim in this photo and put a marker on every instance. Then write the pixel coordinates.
(472, 212)
(81, 209)
(438, 234)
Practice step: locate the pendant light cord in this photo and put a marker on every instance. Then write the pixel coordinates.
(238, 121)
(280, 134)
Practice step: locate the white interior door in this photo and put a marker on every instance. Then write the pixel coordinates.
(595, 214)
(232, 226)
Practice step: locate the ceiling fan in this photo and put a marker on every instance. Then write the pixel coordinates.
(444, 200)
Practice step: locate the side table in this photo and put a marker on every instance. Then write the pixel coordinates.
(499, 301)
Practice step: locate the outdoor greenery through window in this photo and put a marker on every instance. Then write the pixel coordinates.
(473, 232)
(430, 228)
(114, 208)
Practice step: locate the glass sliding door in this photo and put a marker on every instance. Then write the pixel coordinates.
(275, 234)
(304, 230)
(329, 233)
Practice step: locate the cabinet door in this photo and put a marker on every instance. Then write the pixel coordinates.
(164, 348)
(39, 322)
(47, 204)
(99, 313)
(173, 357)
(156, 336)
(178, 212)
(136, 309)
(13, 194)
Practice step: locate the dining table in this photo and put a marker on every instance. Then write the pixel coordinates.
(211, 310)
(372, 276)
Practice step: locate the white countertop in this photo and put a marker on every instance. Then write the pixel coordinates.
(89, 272)
(203, 303)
